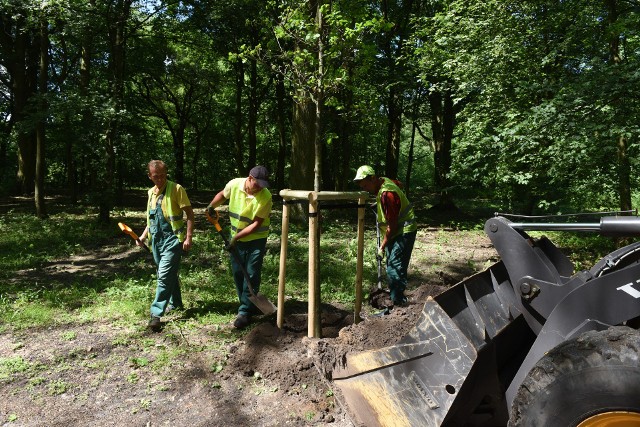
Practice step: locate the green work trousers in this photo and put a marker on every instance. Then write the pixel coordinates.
(251, 255)
(398, 253)
(167, 252)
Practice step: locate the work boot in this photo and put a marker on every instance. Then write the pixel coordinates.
(385, 312)
(154, 324)
(241, 322)
(402, 302)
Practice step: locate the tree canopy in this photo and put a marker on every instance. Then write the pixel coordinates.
(528, 103)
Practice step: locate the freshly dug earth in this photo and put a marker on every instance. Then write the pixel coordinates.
(94, 374)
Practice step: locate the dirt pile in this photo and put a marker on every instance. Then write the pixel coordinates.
(287, 357)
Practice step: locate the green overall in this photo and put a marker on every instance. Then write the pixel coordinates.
(243, 209)
(167, 251)
(400, 246)
(251, 255)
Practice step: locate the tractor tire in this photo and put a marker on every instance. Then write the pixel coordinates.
(596, 373)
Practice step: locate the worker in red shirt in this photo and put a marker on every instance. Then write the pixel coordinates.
(397, 223)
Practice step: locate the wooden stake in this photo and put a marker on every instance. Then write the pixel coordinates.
(284, 244)
(359, 262)
(314, 326)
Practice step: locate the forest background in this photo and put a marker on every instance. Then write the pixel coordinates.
(530, 104)
(519, 106)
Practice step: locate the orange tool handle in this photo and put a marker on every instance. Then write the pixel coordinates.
(127, 230)
(214, 221)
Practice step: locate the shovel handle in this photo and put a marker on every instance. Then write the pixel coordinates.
(232, 250)
(215, 223)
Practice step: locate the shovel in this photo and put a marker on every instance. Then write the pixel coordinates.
(380, 289)
(127, 230)
(378, 257)
(258, 299)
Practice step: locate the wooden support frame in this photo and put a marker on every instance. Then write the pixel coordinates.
(314, 326)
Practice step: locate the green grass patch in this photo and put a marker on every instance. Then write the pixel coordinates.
(12, 365)
(122, 296)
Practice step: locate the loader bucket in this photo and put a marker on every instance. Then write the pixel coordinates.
(452, 367)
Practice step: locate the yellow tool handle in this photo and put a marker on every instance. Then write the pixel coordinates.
(127, 230)
(214, 221)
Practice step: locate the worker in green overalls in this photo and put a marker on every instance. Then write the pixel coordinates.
(169, 236)
(397, 222)
(249, 209)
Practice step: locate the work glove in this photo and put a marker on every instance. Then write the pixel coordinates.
(232, 242)
(380, 254)
(211, 211)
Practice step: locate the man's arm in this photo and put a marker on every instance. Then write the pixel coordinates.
(257, 223)
(186, 245)
(142, 237)
(217, 200)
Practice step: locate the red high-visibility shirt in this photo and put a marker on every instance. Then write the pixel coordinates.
(390, 203)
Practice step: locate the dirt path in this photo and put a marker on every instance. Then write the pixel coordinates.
(95, 375)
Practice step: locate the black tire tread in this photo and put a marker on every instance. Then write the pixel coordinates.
(611, 347)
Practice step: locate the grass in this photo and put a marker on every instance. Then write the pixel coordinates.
(120, 294)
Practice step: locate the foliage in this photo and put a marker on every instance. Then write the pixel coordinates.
(545, 120)
(543, 134)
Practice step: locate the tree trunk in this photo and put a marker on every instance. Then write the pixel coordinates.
(442, 122)
(196, 157)
(302, 147)
(252, 118)
(178, 151)
(317, 165)
(394, 127)
(407, 181)
(282, 131)
(237, 130)
(21, 93)
(87, 122)
(4, 145)
(117, 37)
(400, 14)
(40, 172)
(623, 162)
(319, 101)
(304, 132)
(624, 174)
(341, 147)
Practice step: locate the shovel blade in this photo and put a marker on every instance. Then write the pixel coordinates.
(263, 304)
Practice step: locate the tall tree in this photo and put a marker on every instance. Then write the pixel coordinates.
(436, 52)
(399, 15)
(17, 44)
(118, 15)
(43, 81)
(622, 140)
(550, 69)
(316, 46)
